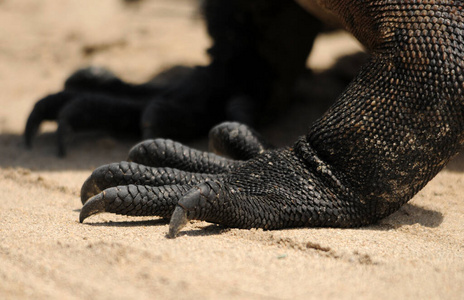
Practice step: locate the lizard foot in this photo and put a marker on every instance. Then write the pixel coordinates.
(256, 187)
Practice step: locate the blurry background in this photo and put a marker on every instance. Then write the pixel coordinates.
(43, 42)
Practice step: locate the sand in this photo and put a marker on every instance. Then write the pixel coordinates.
(45, 253)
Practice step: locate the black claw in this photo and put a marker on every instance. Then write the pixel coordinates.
(93, 206)
(178, 221)
(179, 217)
(191, 206)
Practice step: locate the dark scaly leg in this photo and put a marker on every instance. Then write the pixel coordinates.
(402, 118)
(392, 130)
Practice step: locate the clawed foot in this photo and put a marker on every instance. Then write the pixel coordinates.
(165, 178)
(255, 187)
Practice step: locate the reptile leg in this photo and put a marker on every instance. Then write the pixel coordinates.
(393, 129)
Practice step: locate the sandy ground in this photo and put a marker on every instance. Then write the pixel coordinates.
(417, 253)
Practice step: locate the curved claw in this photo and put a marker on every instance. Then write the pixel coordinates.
(178, 221)
(192, 205)
(179, 217)
(93, 206)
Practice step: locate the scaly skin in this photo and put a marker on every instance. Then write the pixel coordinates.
(397, 124)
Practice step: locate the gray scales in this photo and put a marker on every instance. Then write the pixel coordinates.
(393, 129)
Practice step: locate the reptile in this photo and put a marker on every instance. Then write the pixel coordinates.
(391, 131)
